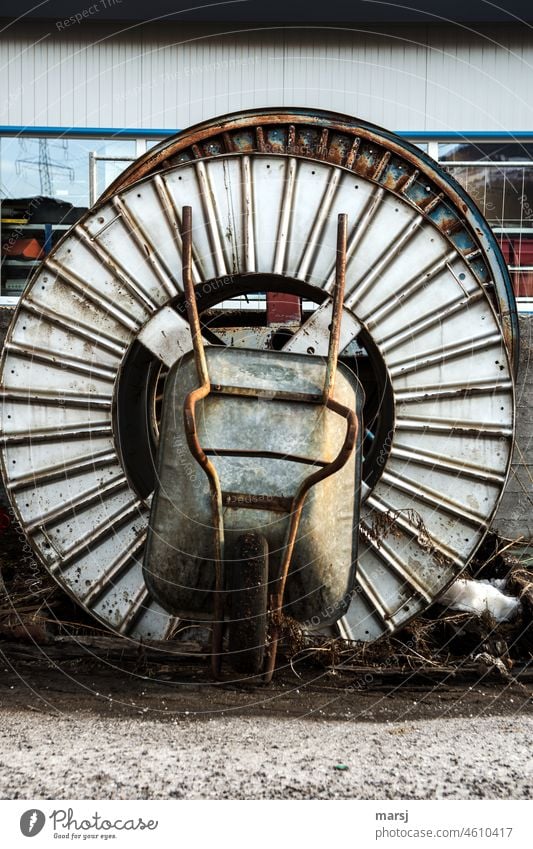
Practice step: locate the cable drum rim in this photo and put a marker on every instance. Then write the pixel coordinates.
(125, 307)
(223, 134)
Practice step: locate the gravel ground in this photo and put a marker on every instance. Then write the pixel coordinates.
(88, 729)
(94, 757)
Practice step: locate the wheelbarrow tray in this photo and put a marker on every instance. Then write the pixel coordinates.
(235, 431)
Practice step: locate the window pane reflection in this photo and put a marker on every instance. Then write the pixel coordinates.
(57, 168)
(503, 194)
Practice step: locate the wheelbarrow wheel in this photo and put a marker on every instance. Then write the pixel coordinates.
(248, 606)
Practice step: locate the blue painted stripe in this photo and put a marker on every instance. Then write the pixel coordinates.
(136, 132)
(467, 135)
(99, 132)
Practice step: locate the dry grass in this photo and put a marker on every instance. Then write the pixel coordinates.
(33, 607)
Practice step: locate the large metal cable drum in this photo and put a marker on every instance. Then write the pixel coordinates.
(429, 325)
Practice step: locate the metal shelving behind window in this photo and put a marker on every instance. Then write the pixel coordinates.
(38, 172)
(499, 178)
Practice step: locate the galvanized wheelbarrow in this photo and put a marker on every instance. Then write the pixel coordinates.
(256, 511)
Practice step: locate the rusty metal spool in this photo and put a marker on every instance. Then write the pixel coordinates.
(428, 304)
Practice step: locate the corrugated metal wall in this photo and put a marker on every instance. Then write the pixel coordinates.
(411, 78)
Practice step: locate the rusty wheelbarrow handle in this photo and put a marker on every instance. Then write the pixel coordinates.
(191, 434)
(276, 599)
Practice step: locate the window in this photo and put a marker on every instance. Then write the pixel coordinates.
(58, 167)
(499, 178)
(71, 172)
(46, 184)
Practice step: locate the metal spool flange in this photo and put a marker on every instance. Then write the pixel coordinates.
(425, 283)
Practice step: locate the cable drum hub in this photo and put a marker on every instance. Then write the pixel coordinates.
(428, 301)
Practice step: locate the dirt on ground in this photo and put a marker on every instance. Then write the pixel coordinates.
(443, 709)
(90, 729)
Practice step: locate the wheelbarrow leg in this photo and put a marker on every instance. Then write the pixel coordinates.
(248, 604)
(272, 649)
(216, 644)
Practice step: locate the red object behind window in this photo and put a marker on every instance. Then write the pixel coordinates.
(23, 249)
(283, 308)
(522, 283)
(518, 251)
